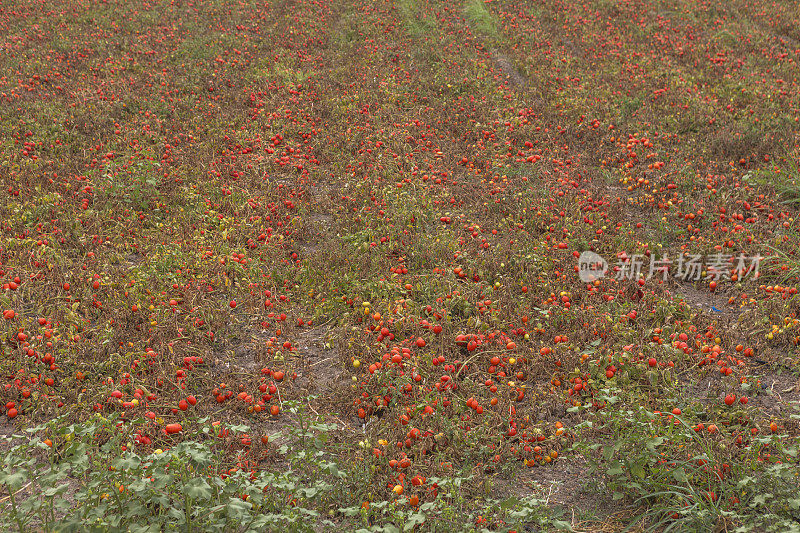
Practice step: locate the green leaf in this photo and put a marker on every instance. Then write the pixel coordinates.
(310, 492)
(608, 452)
(680, 475)
(761, 499)
(198, 489)
(130, 462)
(238, 509)
(151, 528)
(14, 481)
(332, 469)
(413, 521)
(745, 481)
(509, 503)
(52, 491)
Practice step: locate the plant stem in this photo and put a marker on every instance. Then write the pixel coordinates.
(187, 503)
(17, 518)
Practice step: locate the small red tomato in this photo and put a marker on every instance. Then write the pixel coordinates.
(173, 428)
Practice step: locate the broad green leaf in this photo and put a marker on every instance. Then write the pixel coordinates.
(238, 509)
(52, 491)
(608, 452)
(509, 503)
(198, 489)
(310, 492)
(14, 481)
(637, 470)
(761, 499)
(149, 528)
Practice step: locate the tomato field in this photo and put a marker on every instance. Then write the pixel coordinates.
(396, 265)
